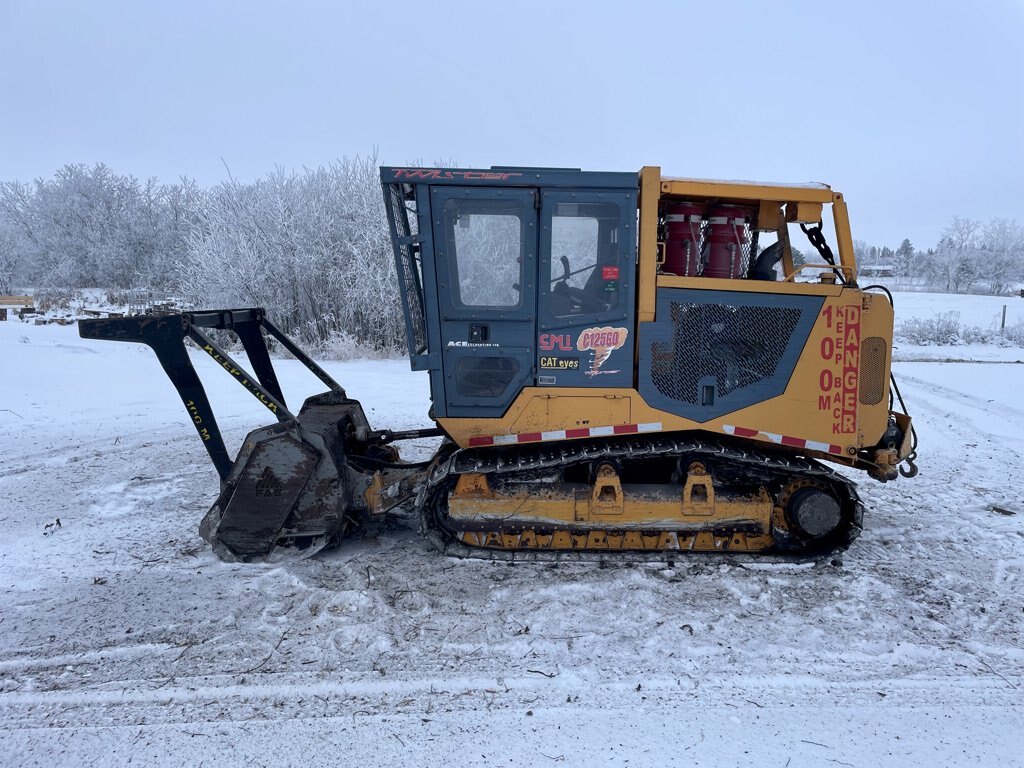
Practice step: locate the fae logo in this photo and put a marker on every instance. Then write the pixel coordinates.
(601, 342)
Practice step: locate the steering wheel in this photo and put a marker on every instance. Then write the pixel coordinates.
(580, 301)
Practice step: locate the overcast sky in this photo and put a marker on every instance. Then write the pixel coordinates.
(915, 110)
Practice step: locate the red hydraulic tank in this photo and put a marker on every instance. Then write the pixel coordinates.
(728, 238)
(682, 239)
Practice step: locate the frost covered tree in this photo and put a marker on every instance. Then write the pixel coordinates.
(865, 253)
(11, 249)
(14, 260)
(88, 226)
(955, 264)
(904, 259)
(8, 262)
(312, 248)
(1002, 255)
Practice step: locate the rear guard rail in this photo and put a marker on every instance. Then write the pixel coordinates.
(295, 486)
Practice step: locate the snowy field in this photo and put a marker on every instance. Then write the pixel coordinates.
(982, 312)
(123, 639)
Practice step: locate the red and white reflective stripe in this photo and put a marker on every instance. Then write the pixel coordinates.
(792, 442)
(565, 434)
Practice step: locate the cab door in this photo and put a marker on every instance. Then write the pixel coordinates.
(485, 243)
(586, 333)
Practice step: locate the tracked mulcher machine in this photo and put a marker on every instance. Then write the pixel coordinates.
(618, 363)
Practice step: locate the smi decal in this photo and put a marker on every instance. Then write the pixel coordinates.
(600, 342)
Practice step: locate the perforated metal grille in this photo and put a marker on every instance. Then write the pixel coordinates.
(872, 370)
(268, 484)
(749, 242)
(748, 250)
(703, 230)
(408, 268)
(728, 347)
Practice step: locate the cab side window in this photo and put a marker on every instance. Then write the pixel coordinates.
(584, 258)
(487, 236)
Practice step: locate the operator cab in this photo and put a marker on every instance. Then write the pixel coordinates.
(515, 278)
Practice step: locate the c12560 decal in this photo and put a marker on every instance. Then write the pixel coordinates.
(601, 342)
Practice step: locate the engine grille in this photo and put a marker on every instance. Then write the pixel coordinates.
(872, 370)
(727, 347)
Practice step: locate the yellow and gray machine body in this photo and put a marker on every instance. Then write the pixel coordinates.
(618, 362)
(630, 370)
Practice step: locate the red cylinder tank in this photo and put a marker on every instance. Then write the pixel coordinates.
(727, 237)
(682, 239)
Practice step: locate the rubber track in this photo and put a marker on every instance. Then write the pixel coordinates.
(764, 466)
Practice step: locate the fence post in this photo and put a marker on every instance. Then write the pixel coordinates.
(1002, 327)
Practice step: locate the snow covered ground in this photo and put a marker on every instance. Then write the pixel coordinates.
(984, 313)
(122, 638)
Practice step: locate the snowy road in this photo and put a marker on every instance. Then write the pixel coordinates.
(121, 636)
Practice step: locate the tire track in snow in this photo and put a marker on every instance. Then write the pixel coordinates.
(919, 532)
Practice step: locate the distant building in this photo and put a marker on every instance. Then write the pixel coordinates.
(877, 270)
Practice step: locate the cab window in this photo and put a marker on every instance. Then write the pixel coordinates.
(487, 237)
(584, 258)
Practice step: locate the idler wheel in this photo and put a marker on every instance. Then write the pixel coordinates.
(813, 512)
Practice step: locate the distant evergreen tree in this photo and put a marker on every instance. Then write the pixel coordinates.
(904, 259)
